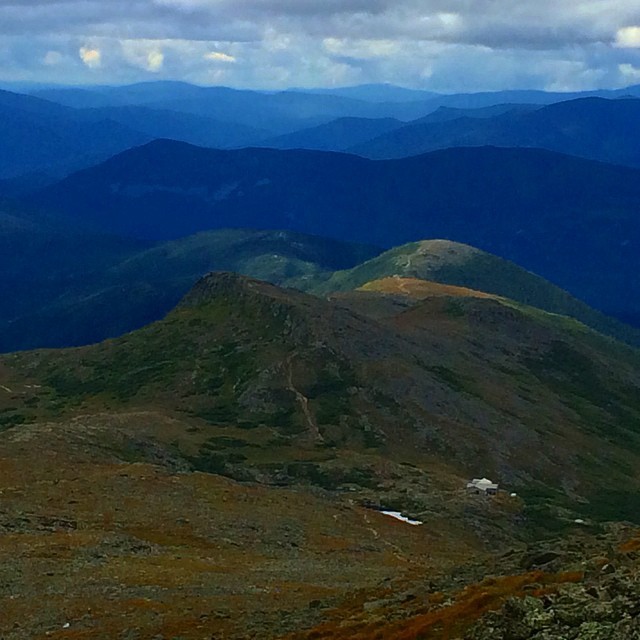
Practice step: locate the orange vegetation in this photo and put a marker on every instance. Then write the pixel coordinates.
(417, 288)
(443, 622)
(630, 545)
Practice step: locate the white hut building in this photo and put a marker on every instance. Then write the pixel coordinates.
(482, 486)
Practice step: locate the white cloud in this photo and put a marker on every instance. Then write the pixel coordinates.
(450, 19)
(155, 60)
(143, 54)
(445, 45)
(90, 56)
(218, 56)
(629, 72)
(628, 37)
(363, 49)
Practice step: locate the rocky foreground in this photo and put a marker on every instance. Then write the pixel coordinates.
(585, 587)
(604, 605)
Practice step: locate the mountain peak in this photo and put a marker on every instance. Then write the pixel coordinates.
(228, 285)
(454, 252)
(461, 265)
(223, 283)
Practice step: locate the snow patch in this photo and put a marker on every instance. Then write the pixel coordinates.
(398, 516)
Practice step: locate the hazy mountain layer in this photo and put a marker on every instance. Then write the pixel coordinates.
(159, 123)
(337, 135)
(354, 134)
(553, 214)
(604, 130)
(78, 127)
(42, 136)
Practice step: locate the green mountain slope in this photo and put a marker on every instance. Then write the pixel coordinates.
(221, 472)
(458, 264)
(288, 388)
(67, 289)
(282, 257)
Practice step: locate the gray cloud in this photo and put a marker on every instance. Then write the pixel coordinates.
(445, 45)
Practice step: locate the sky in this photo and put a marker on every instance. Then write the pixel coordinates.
(446, 46)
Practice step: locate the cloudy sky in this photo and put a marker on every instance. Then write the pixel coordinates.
(452, 45)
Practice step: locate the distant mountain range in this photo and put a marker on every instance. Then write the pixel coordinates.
(595, 128)
(556, 215)
(159, 123)
(338, 135)
(40, 136)
(56, 131)
(278, 112)
(605, 130)
(345, 134)
(383, 95)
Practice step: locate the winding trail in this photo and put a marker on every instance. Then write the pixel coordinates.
(303, 401)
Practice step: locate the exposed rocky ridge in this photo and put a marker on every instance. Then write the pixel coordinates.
(419, 289)
(229, 285)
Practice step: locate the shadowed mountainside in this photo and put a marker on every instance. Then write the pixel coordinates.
(337, 135)
(556, 215)
(64, 287)
(604, 130)
(344, 134)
